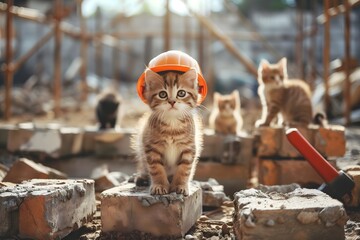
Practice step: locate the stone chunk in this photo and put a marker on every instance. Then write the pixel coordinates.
(354, 172)
(127, 208)
(25, 169)
(46, 209)
(300, 214)
(212, 193)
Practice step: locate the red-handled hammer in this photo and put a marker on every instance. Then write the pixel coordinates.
(337, 184)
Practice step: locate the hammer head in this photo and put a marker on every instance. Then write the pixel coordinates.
(339, 186)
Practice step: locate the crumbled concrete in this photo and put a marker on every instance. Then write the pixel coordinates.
(105, 180)
(354, 199)
(329, 141)
(212, 193)
(25, 169)
(300, 214)
(46, 209)
(129, 208)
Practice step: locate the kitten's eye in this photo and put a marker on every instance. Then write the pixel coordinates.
(162, 94)
(181, 93)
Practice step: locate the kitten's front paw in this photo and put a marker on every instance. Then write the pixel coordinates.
(159, 189)
(180, 189)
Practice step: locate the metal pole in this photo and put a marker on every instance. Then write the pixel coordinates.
(347, 85)
(98, 45)
(167, 44)
(57, 58)
(9, 71)
(326, 55)
(83, 53)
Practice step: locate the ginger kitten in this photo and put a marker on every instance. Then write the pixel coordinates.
(226, 117)
(278, 94)
(169, 141)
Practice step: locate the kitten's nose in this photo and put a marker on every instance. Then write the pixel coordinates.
(172, 102)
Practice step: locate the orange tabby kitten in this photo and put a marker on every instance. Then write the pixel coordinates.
(170, 139)
(278, 94)
(226, 115)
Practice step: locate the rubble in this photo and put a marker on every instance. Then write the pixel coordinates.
(212, 193)
(309, 213)
(354, 199)
(128, 208)
(46, 209)
(25, 169)
(105, 180)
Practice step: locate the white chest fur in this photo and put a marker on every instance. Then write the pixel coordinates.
(171, 155)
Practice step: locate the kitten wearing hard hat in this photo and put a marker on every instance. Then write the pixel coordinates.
(169, 141)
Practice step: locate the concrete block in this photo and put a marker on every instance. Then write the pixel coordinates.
(286, 171)
(127, 208)
(111, 143)
(227, 149)
(46, 209)
(51, 139)
(4, 133)
(25, 169)
(329, 141)
(212, 193)
(300, 214)
(71, 142)
(233, 177)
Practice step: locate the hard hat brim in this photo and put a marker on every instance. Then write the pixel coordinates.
(140, 87)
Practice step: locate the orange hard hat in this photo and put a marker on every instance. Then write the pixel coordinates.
(173, 61)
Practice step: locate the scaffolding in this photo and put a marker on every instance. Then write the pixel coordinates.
(59, 28)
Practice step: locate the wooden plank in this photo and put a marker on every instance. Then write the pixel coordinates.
(57, 58)
(326, 56)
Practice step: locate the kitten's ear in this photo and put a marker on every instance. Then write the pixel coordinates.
(236, 96)
(152, 79)
(190, 78)
(283, 64)
(216, 96)
(264, 64)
